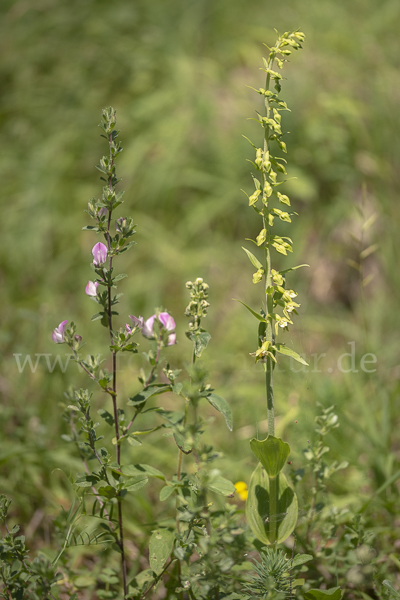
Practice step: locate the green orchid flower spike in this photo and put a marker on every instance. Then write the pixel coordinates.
(271, 506)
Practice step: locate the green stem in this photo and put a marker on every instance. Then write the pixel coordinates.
(273, 506)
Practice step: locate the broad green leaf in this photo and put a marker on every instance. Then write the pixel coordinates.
(272, 453)
(256, 315)
(161, 545)
(200, 340)
(254, 261)
(258, 508)
(143, 469)
(222, 486)
(87, 480)
(331, 594)
(166, 492)
(136, 483)
(144, 395)
(282, 349)
(223, 407)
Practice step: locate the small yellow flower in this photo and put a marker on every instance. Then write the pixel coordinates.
(241, 489)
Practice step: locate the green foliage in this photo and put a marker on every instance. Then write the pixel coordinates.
(271, 507)
(183, 99)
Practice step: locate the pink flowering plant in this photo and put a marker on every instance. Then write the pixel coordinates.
(174, 552)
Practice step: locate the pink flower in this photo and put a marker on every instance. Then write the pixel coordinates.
(58, 333)
(99, 252)
(91, 288)
(137, 321)
(102, 212)
(166, 322)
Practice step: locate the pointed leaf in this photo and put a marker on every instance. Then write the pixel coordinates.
(144, 395)
(282, 349)
(272, 454)
(293, 268)
(256, 315)
(331, 594)
(254, 261)
(161, 545)
(258, 508)
(223, 407)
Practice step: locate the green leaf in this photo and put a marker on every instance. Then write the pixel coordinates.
(256, 315)
(144, 395)
(119, 277)
(109, 419)
(166, 492)
(293, 269)
(331, 594)
(258, 508)
(138, 469)
(223, 407)
(254, 261)
(391, 589)
(161, 545)
(272, 454)
(136, 483)
(222, 486)
(282, 349)
(300, 559)
(87, 480)
(200, 340)
(97, 316)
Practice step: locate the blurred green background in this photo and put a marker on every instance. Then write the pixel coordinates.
(177, 72)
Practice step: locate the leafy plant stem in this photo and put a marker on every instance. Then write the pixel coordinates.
(268, 282)
(114, 375)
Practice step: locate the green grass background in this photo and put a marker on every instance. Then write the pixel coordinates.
(177, 72)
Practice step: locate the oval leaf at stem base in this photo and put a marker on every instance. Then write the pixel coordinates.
(264, 525)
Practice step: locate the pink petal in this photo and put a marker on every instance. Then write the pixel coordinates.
(167, 321)
(148, 327)
(91, 288)
(171, 339)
